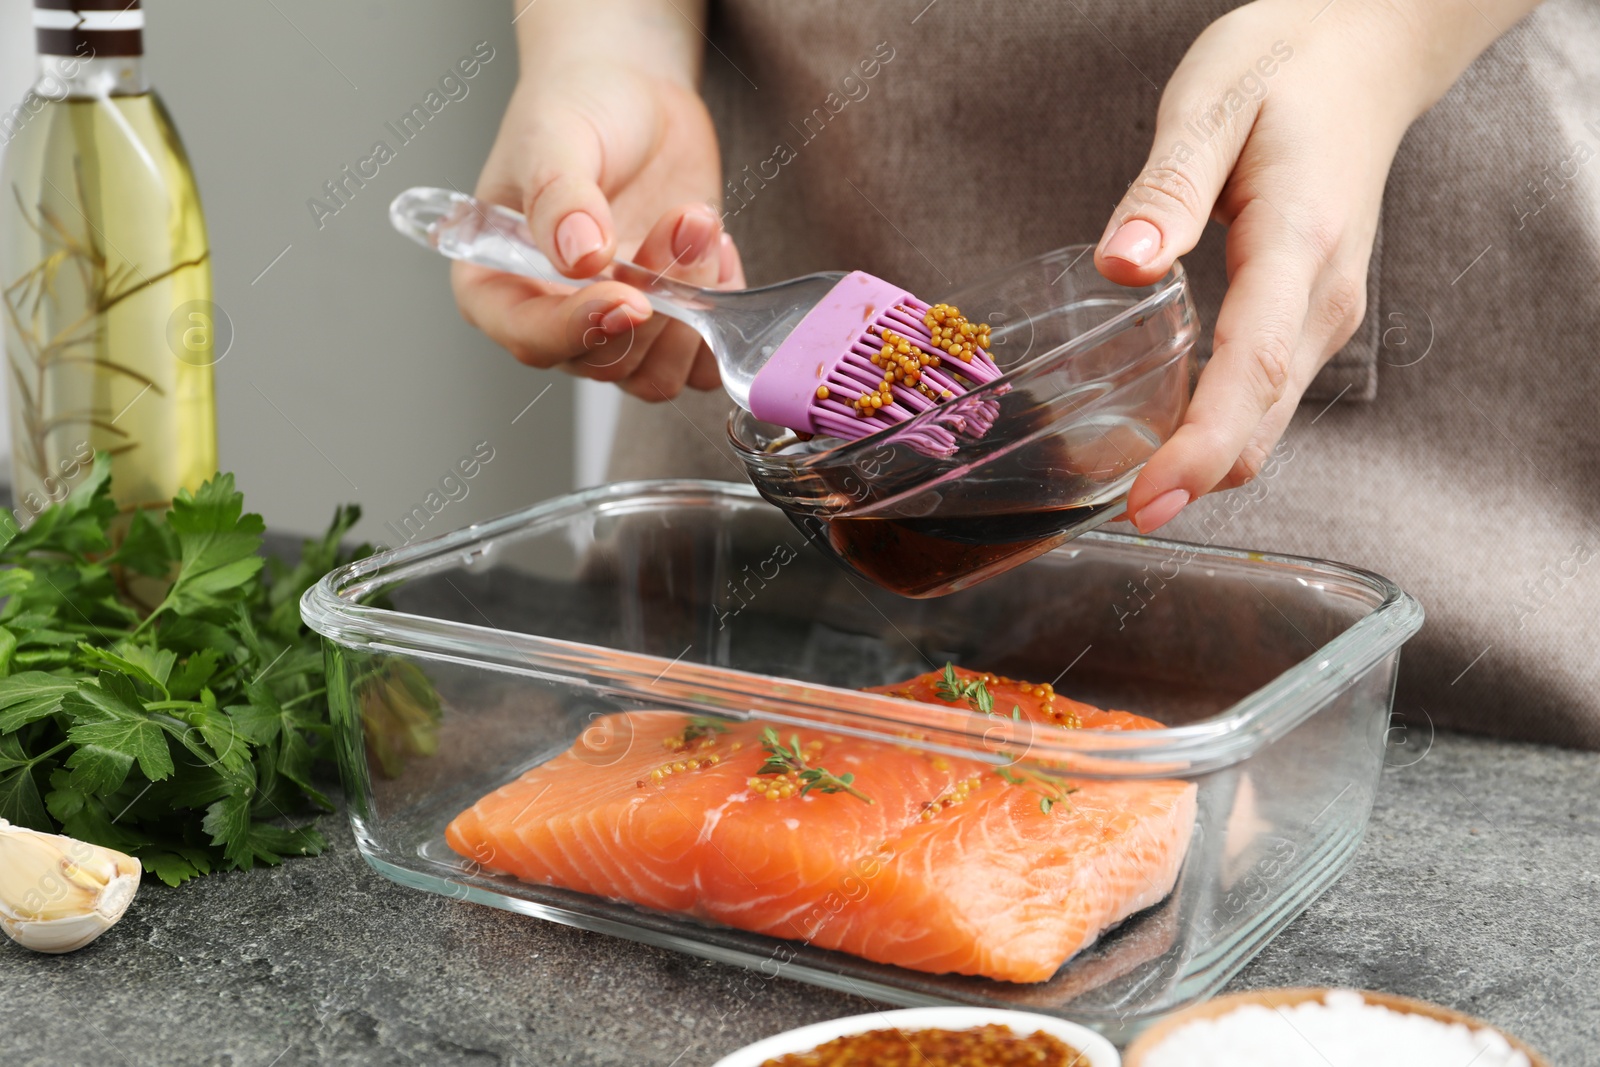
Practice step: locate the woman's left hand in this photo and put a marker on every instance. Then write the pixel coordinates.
(1281, 123)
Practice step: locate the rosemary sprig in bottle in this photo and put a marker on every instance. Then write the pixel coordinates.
(783, 759)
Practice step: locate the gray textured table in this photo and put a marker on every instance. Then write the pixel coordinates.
(1478, 887)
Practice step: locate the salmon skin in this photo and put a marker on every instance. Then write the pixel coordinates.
(924, 861)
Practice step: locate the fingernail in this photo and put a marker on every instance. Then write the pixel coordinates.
(693, 240)
(727, 261)
(577, 236)
(1137, 242)
(1162, 510)
(618, 320)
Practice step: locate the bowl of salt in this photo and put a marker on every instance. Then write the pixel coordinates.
(1323, 1027)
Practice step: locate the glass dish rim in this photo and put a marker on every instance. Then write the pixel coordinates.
(1224, 739)
(1174, 281)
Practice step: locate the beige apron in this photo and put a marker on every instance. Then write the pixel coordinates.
(1453, 446)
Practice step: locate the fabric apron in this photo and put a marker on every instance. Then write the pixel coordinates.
(1453, 445)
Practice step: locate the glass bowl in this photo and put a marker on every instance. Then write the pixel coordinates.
(1097, 377)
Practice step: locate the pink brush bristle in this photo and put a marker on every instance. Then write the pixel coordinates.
(936, 378)
(870, 356)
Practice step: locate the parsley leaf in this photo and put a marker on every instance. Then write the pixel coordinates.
(113, 730)
(177, 866)
(20, 801)
(148, 548)
(30, 696)
(76, 525)
(217, 548)
(196, 671)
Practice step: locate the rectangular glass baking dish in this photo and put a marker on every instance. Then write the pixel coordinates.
(456, 664)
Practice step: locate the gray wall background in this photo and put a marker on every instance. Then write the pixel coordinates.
(351, 376)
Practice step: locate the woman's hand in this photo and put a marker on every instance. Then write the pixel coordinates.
(607, 152)
(1281, 123)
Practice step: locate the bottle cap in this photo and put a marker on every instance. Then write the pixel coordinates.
(89, 29)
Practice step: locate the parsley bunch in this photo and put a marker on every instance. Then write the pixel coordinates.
(158, 692)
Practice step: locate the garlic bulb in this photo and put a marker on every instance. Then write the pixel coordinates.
(57, 893)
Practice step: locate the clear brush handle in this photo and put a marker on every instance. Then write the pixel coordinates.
(742, 327)
(473, 231)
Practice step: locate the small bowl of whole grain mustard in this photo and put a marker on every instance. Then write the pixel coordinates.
(932, 1037)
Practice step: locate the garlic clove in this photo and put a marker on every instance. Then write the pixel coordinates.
(57, 893)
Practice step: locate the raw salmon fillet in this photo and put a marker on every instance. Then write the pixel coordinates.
(952, 867)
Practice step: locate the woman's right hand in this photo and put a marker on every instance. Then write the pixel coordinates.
(604, 161)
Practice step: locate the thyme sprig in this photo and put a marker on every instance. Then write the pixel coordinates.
(701, 727)
(788, 759)
(972, 690)
(951, 687)
(1051, 792)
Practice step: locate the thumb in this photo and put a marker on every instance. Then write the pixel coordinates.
(1164, 211)
(569, 217)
